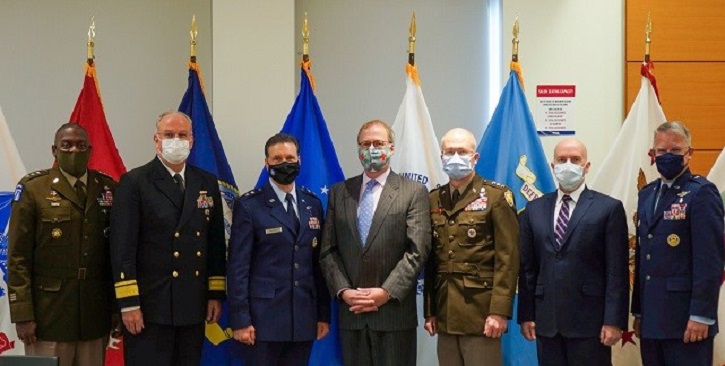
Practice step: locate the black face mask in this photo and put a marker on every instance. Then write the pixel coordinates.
(284, 173)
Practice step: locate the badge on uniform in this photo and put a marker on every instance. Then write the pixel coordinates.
(682, 195)
(54, 199)
(314, 223)
(106, 198)
(18, 192)
(273, 230)
(509, 198)
(56, 233)
(676, 212)
(480, 204)
(204, 201)
(471, 233)
(673, 240)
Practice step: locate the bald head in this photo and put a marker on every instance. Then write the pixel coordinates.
(458, 138)
(570, 148)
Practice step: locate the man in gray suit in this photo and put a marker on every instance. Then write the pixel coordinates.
(376, 238)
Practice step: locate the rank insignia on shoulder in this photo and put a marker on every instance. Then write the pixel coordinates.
(509, 198)
(673, 240)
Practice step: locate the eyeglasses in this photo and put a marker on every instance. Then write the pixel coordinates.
(69, 145)
(675, 150)
(171, 135)
(375, 143)
(460, 152)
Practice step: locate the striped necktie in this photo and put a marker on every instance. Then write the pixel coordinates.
(562, 221)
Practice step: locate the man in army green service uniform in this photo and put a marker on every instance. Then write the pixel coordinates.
(470, 278)
(59, 274)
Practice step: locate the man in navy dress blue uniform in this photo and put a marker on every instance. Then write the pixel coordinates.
(679, 257)
(278, 300)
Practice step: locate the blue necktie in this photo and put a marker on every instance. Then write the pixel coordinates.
(291, 212)
(562, 221)
(365, 218)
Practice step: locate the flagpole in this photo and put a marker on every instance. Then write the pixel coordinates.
(193, 31)
(515, 41)
(411, 41)
(91, 42)
(305, 40)
(647, 39)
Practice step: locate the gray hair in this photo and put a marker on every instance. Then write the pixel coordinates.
(168, 113)
(678, 128)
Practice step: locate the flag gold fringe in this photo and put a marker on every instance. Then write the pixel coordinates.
(412, 71)
(306, 66)
(91, 72)
(196, 67)
(515, 66)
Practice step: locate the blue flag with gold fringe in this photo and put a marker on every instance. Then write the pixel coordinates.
(319, 170)
(511, 154)
(220, 348)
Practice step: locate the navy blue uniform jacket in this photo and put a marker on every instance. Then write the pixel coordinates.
(275, 283)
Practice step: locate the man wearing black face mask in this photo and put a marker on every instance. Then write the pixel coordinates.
(278, 300)
(59, 279)
(679, 257)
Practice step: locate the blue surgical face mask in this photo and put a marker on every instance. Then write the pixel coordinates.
(670, 165)
(457, 166)
(569, 175)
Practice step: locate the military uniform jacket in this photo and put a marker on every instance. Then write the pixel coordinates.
(275, 282)
(474, 263)
(168, 247)
(679, 256)
(58, 256)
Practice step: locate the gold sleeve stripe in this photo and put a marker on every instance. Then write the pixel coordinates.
(217, 278)
(217, 284)
(125, 283)
(123, 292)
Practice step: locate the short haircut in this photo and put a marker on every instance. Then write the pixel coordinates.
(167, 113)
(279, 139)
(71, 125)
(676, 127)
(460, 133)
(368, 124)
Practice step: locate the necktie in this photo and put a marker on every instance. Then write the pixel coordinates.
(562, 221)
(456, 196)
(291, 211)
(660, 196)
(179, 181)
(365, 218)
(80, 192)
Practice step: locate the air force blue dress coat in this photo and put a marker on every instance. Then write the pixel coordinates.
(679, 256)
(274, 277)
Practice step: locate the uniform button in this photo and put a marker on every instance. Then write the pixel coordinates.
(198, 254)
(85, 237)
(647, 277)
(207, 218)
(196, 273)
(452, 222)
(176, 254)
(450, 252)
(297, 247)
(55, 219)
(647, 256)
(175, 274)
(198, 233)
(86, 220)
(649, 236)
(85, 254)
(451, 237)
(470, 221)
(297, 266)
(176, 234)
(297, 283)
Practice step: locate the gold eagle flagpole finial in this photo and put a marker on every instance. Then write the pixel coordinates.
(647, 37)
(91, 41)
(515, 41)
(411, 41)
(305, 40)
(193, 32)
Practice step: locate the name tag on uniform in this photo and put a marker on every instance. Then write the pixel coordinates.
(273, 230)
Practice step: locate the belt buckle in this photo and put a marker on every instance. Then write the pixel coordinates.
(81, 273)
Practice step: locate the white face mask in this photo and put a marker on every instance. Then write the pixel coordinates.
(569, 175)
(457, 166)
(175, 150)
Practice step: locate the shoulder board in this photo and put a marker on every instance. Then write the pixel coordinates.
(496, 184)
(251, 193)
(35, 174)
(308, 191)
(654, 182)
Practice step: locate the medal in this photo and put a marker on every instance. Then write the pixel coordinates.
(673, 240)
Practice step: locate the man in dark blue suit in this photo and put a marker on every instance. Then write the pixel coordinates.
(679, 257)
(278, 299)
(573, 287)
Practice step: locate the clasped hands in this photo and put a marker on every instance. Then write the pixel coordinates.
(365, 300)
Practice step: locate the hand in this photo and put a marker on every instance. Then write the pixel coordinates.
(359, 301)
(635, 326)
(695, 331)
(379, 295)
(213, 311)
(133, 320)
(495, 326)
(431, 325)
(528, 330)
(245, 335)
(26, 332)
(610, 335)
(322, 329)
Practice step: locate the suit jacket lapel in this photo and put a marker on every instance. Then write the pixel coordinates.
(277, 208)
(387, 197)
(585, 200)
(304, 214)
(192, 192)
(61, 185)
(165, 183)
(649, 205)
(352, 202)
(549, 215)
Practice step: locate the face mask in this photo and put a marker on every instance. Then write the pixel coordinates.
(175, 150)
(374, 159)
(670, 165)
(569, 175)
(457, 166)
(73, 163)
(284, 173)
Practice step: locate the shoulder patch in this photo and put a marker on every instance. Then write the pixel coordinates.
(18, 192)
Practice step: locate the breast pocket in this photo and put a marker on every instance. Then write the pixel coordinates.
(56, 228)
(438, 226)
(472, 230)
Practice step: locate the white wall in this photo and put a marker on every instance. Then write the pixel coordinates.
(574, 42)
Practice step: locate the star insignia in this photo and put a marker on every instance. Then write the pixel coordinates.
(628, 337)
(324, 189)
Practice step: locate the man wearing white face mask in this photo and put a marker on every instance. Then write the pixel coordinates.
(168, 251)
(470, 278)
(573, 285)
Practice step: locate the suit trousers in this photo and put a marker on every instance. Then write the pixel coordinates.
(468, 350)
(563, 351)
(81, 353)
(164, 345)
(367, 347)
(675, 352)
(277, 353)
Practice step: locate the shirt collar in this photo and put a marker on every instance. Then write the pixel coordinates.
(282, 195)
(171, 171)
(381, 179)
(72, 180)
(574, 195)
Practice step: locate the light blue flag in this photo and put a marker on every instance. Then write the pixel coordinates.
(511, 154)
(319, 170)
(208, 154)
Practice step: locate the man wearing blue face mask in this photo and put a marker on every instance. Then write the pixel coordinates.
(573, 284)
(679, 257)
(470, 278)
(374, 243)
